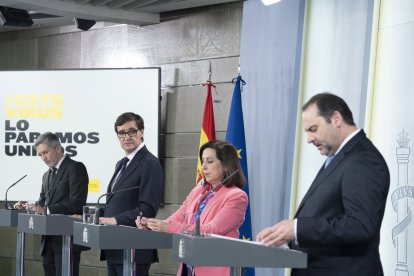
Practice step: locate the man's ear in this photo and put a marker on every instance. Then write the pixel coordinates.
(59, 148)
(336, 119)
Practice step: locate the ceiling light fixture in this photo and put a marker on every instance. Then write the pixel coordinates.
(270, 2)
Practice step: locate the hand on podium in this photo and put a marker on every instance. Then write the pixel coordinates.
(76, 216)
(151, 224)
(142, 222)
(157, 225)
(20, 205)
(108, 221)
(40, 210)
(279, 234)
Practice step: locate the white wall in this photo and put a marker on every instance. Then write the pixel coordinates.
(392, 112)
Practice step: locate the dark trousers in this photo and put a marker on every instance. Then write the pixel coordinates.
(52, 264)
(117, 269)
(52, 257)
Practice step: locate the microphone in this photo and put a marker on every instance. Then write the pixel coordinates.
(98, 210)
(225, 179)
(197, 228)
(5, 199)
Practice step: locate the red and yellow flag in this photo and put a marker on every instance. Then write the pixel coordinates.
(208, 130)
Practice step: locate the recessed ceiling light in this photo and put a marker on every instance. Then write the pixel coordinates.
(270, 2)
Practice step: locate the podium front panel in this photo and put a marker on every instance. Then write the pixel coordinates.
(53, 225)
(217, 251)
(8, 217)
(119, 237)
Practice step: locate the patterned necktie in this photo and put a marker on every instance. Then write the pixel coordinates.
(329, 160)
(52, 174)
(121, 170)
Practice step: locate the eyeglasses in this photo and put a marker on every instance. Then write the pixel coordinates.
(131, 133)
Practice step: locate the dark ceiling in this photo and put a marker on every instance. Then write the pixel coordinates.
(51, 13)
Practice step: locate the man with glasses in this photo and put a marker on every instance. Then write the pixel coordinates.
(141, 173)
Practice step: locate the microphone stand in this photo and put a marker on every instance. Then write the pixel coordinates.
(197, 228)
(98, 211)
(6, 205)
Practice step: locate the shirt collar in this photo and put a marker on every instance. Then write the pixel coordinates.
(60, 162)
(349, 137)
(132, 154)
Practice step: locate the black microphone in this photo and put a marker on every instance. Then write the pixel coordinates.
(5, 200)
(98, 210)
(197, 228)
(225, 179)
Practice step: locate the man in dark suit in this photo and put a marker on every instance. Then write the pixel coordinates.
(64, 191)
(339, 219)
(141, 171)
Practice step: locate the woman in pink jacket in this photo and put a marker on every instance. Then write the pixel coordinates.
(219, 201)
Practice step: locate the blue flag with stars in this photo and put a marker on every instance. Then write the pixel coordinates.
(235, 136)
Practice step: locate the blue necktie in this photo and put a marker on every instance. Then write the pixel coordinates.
(329, 160)
(124, 162)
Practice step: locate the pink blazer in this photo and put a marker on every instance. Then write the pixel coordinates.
(223, 215)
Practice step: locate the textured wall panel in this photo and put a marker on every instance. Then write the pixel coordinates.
(182, 144)
(18, 55)
(93, 271)
(6, 266)
(31, 268)
(186, 106)
(105, 48)
(179, 178)
(198, 36)
(62, 51)
(91, 258)
(8, 242)
(166, 266)
(185, 144)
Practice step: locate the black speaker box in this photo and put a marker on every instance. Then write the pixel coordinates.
(15, 17)
(84, 24)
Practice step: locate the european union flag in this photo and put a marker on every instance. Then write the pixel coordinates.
(235, 136)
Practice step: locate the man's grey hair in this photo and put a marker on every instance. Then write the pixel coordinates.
(48, 138)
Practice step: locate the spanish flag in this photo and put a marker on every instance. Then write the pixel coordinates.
(208, 130)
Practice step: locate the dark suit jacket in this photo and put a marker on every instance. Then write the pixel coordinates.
(145, 171)
(339, 218)
(67, 195)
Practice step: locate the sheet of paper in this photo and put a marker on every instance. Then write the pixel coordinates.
(283, 246)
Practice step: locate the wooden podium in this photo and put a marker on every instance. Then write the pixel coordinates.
(51, 225)
(120, 237)
(214, 250)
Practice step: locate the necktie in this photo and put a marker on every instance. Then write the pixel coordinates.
(121, 170)
(52, 173)
(329, 160)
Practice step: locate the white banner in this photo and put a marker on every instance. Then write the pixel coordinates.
(81, 107)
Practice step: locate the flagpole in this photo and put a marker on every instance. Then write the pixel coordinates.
(209, 72)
